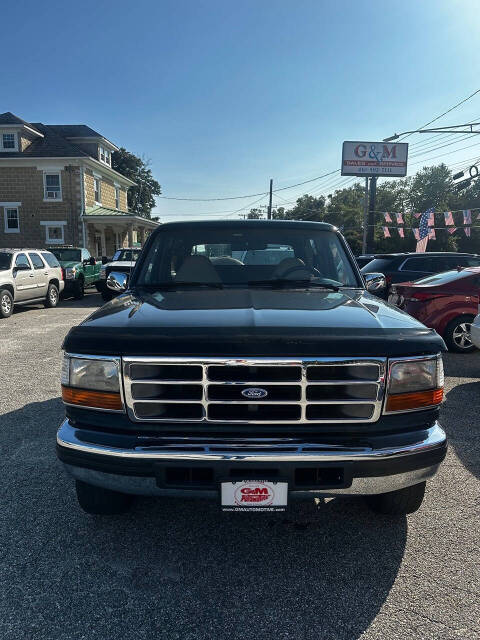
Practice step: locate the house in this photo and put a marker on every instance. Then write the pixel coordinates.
(57, 186)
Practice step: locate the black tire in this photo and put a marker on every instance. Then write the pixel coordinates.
(6, 303)
(79, 289)
(99, 501)
(107, 296)
(51, 300)
(457, 332)
(399, 502)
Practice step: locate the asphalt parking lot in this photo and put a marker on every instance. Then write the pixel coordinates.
(181, 569)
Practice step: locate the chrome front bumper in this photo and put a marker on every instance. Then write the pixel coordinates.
(136, 470)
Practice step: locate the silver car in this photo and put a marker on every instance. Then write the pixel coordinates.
(28, 276)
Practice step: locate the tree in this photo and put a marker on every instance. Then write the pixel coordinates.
(255, 214)
(141, 198)
(307, 208)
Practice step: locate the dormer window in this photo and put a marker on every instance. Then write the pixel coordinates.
(104, 155)
(8, 142)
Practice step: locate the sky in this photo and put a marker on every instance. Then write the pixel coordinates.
(220, 96)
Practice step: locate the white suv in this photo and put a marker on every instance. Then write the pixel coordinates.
(28, 276)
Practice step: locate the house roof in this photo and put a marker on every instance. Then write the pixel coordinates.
(52, 143)
(75, 131)
(10, 118)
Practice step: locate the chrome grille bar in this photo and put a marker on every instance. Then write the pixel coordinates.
(345, 371)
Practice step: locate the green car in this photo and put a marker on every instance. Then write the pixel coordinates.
(80, 269)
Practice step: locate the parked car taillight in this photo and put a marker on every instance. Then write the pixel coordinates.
(63, 273)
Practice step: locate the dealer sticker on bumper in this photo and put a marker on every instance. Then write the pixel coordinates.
(254, 495)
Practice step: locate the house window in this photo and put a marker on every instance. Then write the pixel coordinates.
(12, 222)
(117, 197)
(104, 155)
(54, 233)
(9, 141)
(97, 190)
(53, 186)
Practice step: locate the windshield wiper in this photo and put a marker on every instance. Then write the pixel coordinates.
(282, 282)
(174, 284)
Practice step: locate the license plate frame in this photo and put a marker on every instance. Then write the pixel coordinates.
(264, 496)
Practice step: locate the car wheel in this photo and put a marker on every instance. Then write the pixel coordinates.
(106, 296)
(52, 297)
(457, 334)
(6, 303)
(398, 502)
(100, 501)
(79, 289)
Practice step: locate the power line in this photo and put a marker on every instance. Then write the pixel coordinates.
(443, 114)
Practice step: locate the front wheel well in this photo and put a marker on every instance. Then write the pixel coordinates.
(9, 288)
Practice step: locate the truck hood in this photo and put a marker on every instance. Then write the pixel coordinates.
(251, 322)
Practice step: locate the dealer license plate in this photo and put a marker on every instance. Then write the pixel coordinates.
(254, 495)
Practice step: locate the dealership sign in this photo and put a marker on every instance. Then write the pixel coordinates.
(374, 159)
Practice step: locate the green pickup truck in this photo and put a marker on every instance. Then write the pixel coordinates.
(80, 269)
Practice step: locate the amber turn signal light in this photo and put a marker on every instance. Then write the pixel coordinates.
(417, 400)
(96, 399)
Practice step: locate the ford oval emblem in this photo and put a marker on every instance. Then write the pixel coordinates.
(254, 393)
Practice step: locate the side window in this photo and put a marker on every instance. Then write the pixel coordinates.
(22, 259)
(470, 262)
(440, 264)
(50, 259)
(417, 264)
(36, 261)
(85, 255)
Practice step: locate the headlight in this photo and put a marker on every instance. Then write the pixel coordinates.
(70, 273)
(91, 382)
(414, 383)
(103, 273)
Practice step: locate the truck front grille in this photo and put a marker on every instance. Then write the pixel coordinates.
(254, 390)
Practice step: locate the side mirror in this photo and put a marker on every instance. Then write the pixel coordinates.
(92, 262)
(117, 281)
(375, 282)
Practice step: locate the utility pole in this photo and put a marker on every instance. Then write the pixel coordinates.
(371, 216)
(365, 218)
(269, 213)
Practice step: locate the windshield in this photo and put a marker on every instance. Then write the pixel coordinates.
(5, 261)
(377, 265)
(67, 255)
(246, 255)
(443, 278)
(126, 255)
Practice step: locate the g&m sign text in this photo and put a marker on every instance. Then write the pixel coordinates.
(374, 159)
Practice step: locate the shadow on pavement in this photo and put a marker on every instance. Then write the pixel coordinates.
(176, 568)
(460, 412)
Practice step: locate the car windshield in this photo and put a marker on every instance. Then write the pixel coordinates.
(5, 261)
(444, 278)
(67, 255)
(126, 255)
(246, 255)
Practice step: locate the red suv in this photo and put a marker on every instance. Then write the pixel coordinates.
(446, 302)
